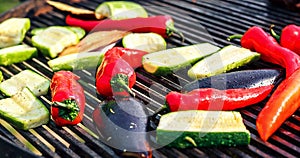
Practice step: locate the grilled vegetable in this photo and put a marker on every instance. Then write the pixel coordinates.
(161, 24)
(26, 78)
(16, 54)
(77, 30)
(77, 61)
(226, 59)
(54, 40)
(214, 99)
(196, 128)
(116, 75)
(149, 42)
(237, 79)
(68, 99)
(282, 104)
(289, 37)
(256, 39)
(122, 124)
(168, 61)
(117, 10)
(24, 110)
(12, 31)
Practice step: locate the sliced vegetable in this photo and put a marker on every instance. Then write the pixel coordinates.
(68, 99)
(281, 105)
(197, 128)
(118, 10)
(256, 39)
(170, 60)
(77, 30)
(122, 123)
(228, 58)
(16, 54)
(149, 42)
(26, 78)
(54, 40)
(161, 24)
(12, 31)
(78, 61)
(24, 110)
(214, 99)
(237, 79)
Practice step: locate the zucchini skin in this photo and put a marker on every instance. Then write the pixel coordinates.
(212, 139)
(237, 79)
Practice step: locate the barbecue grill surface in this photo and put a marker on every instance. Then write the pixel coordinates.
(200, 21)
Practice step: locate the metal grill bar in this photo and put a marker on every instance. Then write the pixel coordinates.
(201, 21)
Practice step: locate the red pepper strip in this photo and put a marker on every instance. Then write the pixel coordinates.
(256, 39)
(68, 99)
(214, 99)
(161, 24)
(289, 38)
(282, 104)
(132, 56)
(115, 76)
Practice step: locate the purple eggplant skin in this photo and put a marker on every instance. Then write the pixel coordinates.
(122, 124)
(237, 79)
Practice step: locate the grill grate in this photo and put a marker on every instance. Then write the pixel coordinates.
(220, 18)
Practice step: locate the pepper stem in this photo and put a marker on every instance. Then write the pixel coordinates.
(120, 83)
(274, 34)
(236, 36)
(68, 109)
(171, 29)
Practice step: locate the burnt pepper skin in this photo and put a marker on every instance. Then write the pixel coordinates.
(281, 105)
(214, 99)
(256, 39)
(68, 99)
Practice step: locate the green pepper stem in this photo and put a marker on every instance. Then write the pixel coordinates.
(69, 109)
(274, 34)
(236, 36)
(171, 29)
(120, 82)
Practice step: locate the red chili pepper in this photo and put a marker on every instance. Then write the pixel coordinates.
(256, 39)
(281, 105)
(214, 99)
(162, 24)
(115, 75)
(289, 38)
(68, 99)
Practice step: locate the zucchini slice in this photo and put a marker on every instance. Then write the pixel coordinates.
(26, 78)
(16, 54)
(12, 31)
(168, 61)
(198, 128)
(54, 40)
(24, 110)
(228, 58)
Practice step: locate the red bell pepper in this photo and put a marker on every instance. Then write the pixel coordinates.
(161, 24)
(256, 39)
(115, 75)
(214, 99)
(282, 104)
(68, 99)
(289, 38)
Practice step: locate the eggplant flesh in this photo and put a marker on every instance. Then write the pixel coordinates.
(122, 124)
(237, 79)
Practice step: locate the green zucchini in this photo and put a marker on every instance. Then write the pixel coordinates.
(16, 54)
(226, 59)
(197, 128)
(78, 61)
(77, 30)
(26, 78)
(12, 31)
(168, 61)
(54, 40)
(24, 110)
